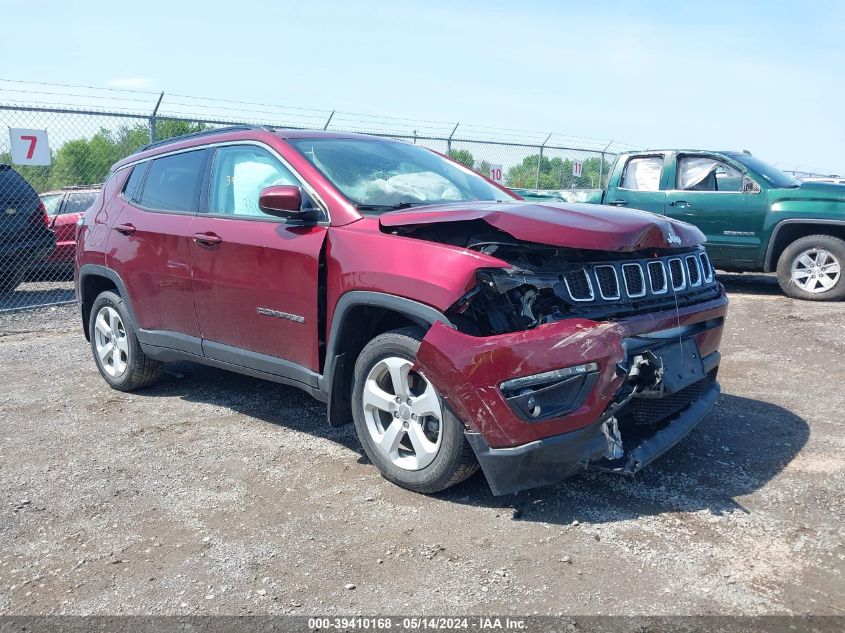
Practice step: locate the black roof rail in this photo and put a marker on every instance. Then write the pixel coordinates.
(217, 130)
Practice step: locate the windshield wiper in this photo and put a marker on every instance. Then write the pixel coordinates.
(389, 207)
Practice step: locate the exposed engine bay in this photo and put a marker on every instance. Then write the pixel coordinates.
(548, 283)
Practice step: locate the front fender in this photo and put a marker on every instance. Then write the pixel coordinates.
(785, 212)
(360, 257)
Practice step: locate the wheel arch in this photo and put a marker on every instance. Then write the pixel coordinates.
(94, 279)
(358, 317)
(787, 231)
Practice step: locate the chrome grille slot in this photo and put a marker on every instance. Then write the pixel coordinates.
(676, 274)
(639, 282)
(694, 274)
(657, 278)
(634, 280)
(706, 268)
(608, 281)
(578, 285)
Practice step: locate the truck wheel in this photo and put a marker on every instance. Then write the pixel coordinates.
(811, 268)
(116, 349)
(401, 421)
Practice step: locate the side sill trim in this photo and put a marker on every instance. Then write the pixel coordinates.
(260, 362)
(168, 354)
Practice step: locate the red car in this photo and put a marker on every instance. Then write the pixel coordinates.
(64, 208)
(453, 323)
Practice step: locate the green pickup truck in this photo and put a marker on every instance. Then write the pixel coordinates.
(755, 217)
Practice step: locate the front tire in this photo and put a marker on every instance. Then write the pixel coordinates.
(811, 268)
(401, 421)
(117, 352)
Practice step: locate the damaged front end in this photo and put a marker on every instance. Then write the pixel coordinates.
(571, 358)
(545, 284)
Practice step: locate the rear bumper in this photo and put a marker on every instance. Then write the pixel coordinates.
(552, 459)
(27, 253)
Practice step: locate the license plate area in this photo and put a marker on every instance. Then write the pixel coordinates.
(682, 366)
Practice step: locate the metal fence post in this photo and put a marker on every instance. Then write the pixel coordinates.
(540, 160)
(449, 140)
(601, 164)
(153, 135)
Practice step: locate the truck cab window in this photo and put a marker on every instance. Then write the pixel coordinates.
(643, 173)
(699, 173)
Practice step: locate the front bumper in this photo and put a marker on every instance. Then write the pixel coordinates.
(552, 459)
(516, 453)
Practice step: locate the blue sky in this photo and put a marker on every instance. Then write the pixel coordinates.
(763, 76)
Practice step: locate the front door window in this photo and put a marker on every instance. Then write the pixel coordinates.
(700, 173)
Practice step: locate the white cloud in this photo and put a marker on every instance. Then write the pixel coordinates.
(130, 83)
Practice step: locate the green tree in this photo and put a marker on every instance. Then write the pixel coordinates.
(168, 128)
(463, 156)
(36, 175)
(556, 173)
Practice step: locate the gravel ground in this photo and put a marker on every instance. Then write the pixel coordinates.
(214, 493)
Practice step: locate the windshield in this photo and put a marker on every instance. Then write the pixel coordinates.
(380, 175)
(774, 176)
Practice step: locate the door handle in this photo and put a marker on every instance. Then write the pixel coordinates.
(125, 229)
(618, 203)
(209, 240)
(681, 204)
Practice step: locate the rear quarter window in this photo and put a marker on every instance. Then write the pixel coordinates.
(132, 188)
(79, 202)
(52, 203)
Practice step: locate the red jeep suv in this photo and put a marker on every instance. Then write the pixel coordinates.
(453, 323)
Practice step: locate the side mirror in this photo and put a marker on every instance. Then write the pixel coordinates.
(749, 186)
(285, 201)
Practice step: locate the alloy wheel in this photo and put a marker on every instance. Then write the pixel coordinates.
(110, 342)
(815, 270)
(403, 413)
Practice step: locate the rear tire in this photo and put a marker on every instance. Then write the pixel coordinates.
(10, 279)
(117, 352)
(407, 431)
(810, 268)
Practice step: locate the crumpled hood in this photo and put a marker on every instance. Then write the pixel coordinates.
(569, 225)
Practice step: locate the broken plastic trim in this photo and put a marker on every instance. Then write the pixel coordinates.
(550, 394)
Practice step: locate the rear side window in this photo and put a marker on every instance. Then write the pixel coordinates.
(133, 183)
(79, 202)
(173, 182)
(52, 203)
(643, 173)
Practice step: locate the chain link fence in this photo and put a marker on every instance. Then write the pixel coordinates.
(41, 204)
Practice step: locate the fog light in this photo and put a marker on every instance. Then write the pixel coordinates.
(534, 410)
(550, 394)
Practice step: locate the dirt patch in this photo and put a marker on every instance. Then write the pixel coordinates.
(214, 493)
